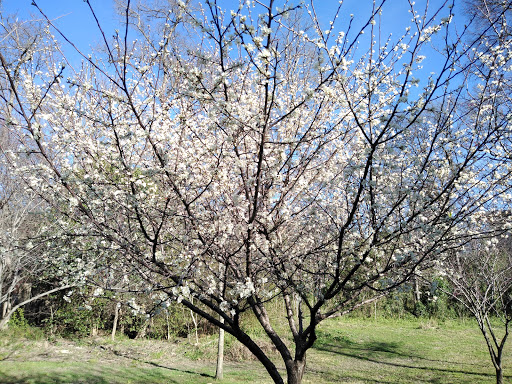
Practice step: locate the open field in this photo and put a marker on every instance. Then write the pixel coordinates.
(348, 350)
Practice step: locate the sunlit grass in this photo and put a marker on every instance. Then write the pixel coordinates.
(348, 350)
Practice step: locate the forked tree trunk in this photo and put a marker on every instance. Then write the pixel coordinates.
(498, 365)
(295, 370)
(261, 356)
(496, 354)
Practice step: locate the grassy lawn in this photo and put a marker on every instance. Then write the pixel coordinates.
(413, 351)
(348, 350)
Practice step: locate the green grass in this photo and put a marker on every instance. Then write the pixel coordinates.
(348, 350)
(101, 373)
(406, 351)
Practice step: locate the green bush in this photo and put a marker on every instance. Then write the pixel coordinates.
(76, 318)
(179, 323)
(437, 301)
(18, 320)
(19, 327)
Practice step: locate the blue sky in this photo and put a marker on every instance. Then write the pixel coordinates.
(72, 16)
(75, 20)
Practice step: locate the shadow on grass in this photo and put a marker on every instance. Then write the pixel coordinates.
(83, 377)
(378, 352)
(377, 349)
(117, 353)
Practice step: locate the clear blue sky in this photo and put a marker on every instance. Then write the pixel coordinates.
(74, 18)
(76, 21)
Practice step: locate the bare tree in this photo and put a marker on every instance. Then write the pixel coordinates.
(490, 17)
(269, 158)
(482, 278)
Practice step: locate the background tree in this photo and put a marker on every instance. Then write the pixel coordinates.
(482, 277)
(490, 19)
(482, 272)
(489, 16)
(271, 156)
(23, 214)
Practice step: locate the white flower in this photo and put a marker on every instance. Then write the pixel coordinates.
(264, 54)
(265, 31)
(257, 41)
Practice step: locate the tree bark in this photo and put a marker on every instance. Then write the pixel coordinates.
(219, 373)
(142, 331)
(94, 328)
(295, 370)
(499, 376)
(261, 356)
(168, 325)
(5, 308)
(417, 296)
(194, 320)
(116, 319)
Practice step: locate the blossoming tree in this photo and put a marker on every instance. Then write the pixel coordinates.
(230, 158)
(22, 269)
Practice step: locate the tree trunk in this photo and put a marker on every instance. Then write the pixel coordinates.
(194, 320)
(142, 331)
(260, 355)
(116, 319)
(94, 328)
(219, 373)
(417, 296)
(25, 291)
(6, 305)
(52, 325)
(295, 370)
(499, 375)
(168, 325)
